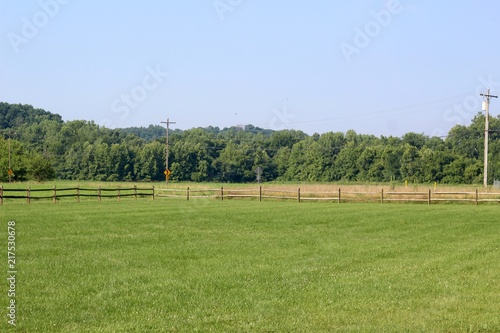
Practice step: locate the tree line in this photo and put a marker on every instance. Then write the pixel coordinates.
(44, 147)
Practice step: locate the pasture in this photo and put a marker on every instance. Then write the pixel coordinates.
(171, 265)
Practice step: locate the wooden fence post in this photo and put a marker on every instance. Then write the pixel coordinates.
(99, 193)
(28, 195)
(429, 197)
(222, 193)
(153, 192)
(298, 195)
(54, 194)
(477, 195)
(118, 194)
(135, 192)
(260, 193)
(339, 196)
(382, 197)
(187, 194)
(78, 193)
(1, 195)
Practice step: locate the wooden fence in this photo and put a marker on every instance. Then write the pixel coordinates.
(338, 196)
(55, 194)
(258, 193)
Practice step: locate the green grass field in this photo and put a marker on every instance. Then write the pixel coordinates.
(171, 265)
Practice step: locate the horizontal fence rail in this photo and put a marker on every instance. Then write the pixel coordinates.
(258, 193)
(55, 194)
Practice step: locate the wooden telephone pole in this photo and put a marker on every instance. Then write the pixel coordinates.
(167, 170)
(486, 108)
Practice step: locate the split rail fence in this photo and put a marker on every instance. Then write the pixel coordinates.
(338, 196)
(258, 193)
(55, 194)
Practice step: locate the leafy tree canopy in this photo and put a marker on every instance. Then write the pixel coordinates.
(42, 146)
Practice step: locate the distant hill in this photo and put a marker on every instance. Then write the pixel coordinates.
(15, 115)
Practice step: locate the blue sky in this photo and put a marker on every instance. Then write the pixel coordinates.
(378, 67)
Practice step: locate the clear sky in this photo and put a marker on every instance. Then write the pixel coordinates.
(378, 67)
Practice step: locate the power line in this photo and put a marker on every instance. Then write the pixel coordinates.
(375, 113)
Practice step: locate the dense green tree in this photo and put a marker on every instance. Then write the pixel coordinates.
(390, 159)
(152, 132)
(454, 171)
(466, 141)
(346, 163)
(231, 163)
(263, 161)
(411, 164)
(19, 160)
(151, 162)
(280, 162)
(332, 144)
(44, 147)
(40, 168)
(371, 164)
(431, 163)
(415, 140)
(119, 163)
(305, 161)
(285, 138)
(15, 115)
(187, 156)
(473, 173)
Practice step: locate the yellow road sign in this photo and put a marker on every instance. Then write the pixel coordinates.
(167, 172)
(10, 172)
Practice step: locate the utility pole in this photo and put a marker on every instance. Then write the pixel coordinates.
(167, 171)
(9, 171)
(10, 168)
(486, 108)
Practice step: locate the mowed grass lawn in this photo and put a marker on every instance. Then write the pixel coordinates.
(242, 266)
